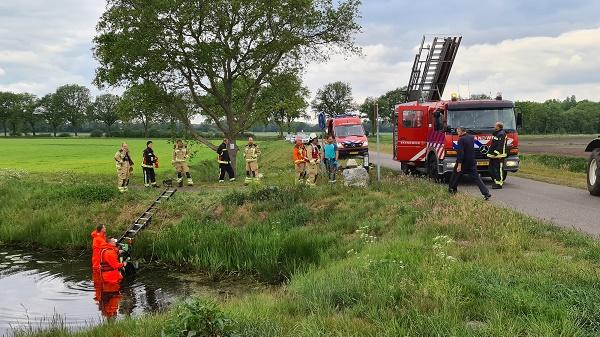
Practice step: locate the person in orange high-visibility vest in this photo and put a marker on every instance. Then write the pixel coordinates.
(300, 159)
(109, 262)
(98, 241)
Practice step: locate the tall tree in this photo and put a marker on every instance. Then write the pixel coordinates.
(7, 103)
(51, 111)
(104, 109)
(74, 100)
(144, 103)
(334, 99)
(29, 104)
(213, 48)
(284, 100)
(388, 101)
(368, 110)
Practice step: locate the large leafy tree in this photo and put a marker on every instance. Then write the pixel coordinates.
(52, 112)
(388, 101)
(283, 100)
(104, 109)
(8, 100)
(334, 99)
(74, 100)
(144, 103)
(222, 52)
(29, 106)
(368, 111)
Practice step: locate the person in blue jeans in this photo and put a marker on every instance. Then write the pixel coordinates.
(331, 158)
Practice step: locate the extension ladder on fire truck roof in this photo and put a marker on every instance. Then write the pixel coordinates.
(432, 67)
(144, 219)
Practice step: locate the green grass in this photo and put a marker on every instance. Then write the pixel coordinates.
(87, 155)
(398, 259)
(554, 169)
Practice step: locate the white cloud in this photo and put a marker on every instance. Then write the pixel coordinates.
(532, 68)
(376, 72)
(43, 46)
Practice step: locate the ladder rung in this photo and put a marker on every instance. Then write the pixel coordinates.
(126, 238)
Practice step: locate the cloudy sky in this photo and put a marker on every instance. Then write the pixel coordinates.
(526, 49)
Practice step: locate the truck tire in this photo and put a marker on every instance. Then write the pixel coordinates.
(593, 173)
(432, 168)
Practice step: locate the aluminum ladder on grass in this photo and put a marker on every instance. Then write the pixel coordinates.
(144, 219)
(431, 68)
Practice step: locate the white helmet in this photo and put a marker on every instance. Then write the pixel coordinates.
(312, 135)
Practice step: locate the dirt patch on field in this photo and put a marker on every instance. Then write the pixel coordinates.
(561, 145)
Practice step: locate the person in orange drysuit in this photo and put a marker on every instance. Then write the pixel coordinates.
(300, 159)
(109, 262)
(109, 300)
(108, 286)
(98, 240)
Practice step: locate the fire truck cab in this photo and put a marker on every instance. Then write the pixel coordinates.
(426, 140)
(350, 137)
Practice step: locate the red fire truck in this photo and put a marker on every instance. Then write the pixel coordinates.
(425, 135)
(349, 134)
(426, 138)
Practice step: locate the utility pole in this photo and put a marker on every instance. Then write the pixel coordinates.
(378, 149)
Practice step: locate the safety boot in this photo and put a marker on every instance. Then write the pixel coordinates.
(190, 182)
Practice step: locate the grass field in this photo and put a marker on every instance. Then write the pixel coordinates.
(86, 155)
(400, 258)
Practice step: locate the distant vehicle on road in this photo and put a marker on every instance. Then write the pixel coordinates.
(593, 168)
(292, 138)
(349, 134)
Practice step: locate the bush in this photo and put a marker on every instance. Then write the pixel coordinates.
(96, 133)
(198, 318)
(15, 134)
(64, 134)
(43, 135)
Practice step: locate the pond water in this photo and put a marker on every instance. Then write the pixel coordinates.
(37, 289)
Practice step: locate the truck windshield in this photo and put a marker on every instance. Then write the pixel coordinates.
(349, 130)
(482, 119)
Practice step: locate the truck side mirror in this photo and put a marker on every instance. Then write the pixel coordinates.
(438, 120)
(519, 117)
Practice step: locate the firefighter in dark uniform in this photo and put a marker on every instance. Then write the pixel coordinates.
(149, 162)
(497, 154)
(225, 161)
(466, 164)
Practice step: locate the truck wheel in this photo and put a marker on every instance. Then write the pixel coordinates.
(432, 168)
(593, 173)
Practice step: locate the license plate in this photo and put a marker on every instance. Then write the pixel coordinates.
(354, 152)
(483, 163)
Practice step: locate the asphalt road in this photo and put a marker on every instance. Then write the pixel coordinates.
(564, 206)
